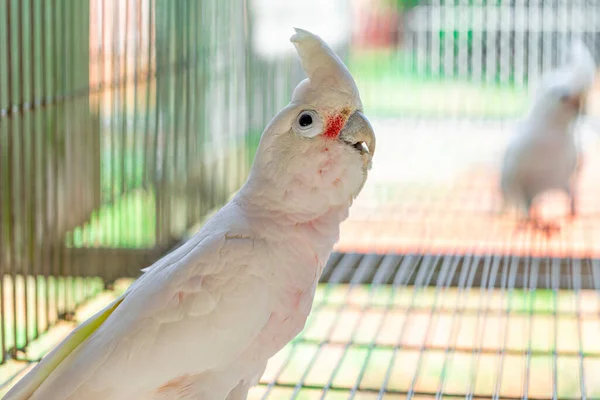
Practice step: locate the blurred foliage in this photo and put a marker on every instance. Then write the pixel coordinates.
(404, 4)
(391, 85)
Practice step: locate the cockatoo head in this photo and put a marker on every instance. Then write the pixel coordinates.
(564, 90)
(319, 148)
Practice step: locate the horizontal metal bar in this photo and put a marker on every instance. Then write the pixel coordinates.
(430, 348)
(546, 266)
(426, 394)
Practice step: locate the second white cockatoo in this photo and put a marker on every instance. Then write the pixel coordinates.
(544, 154)
(202, 322)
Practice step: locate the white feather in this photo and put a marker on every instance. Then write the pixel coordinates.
(202, 322)
(543, 155)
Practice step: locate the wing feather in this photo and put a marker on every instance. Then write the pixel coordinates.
(26, 386)
(194, 311)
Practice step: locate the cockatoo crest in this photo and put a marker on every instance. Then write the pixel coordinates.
(575, 77)
(561, 92)
(582, 68)
(329, 82)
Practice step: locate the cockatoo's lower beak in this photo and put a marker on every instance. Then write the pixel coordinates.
(358, 133)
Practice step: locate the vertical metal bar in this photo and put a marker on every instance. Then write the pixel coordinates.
(136, 184)
(35, 201)
(176, 87)
(214, 78)
(521, 23)
(83, 15)
(70, 143)
(162, 71)
(101, 147)
(548, 34)
(61, 70)
(148, 183)
(78, 150)
(448, 17)
(435, 57)
(53, 214)
(12, 222)
(123, 110)
(163, 99)
(478, 38)
(45, 74)
(591, 10)
(4, 217)
(249, 95)
(192, 58)
(531, 293)
(202, 82)
(492, 31)
(114, 119)
(464, 25)
(150, 162)
(22, 178)
(554, 271)
(533, 54)
(594, 267)
(506, 28)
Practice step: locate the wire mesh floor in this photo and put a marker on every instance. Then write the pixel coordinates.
(432, 326)
(424, 326)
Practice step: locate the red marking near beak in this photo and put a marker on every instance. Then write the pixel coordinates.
(333, 126)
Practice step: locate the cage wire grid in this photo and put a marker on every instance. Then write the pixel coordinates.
(429, 294)
(105, 159)
(431, 326)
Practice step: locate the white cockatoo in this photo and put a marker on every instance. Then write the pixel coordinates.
(544, 154)
(202, 322)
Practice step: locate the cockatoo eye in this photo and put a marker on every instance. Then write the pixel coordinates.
(308, 124)
(305, 120)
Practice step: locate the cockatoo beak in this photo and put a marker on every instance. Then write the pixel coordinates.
(582, 103)
(358, 133)
(575, 100)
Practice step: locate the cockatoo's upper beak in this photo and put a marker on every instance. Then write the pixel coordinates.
(358, 133)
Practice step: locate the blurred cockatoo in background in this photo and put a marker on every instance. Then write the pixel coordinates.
(202, 322)
(544, 154)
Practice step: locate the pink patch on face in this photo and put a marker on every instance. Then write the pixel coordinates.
(333, 126)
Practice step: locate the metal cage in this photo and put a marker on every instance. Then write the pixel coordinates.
(125, 123)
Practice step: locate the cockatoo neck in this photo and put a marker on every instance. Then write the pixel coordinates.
(297, 181)
(558, 120)
(292, 201)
